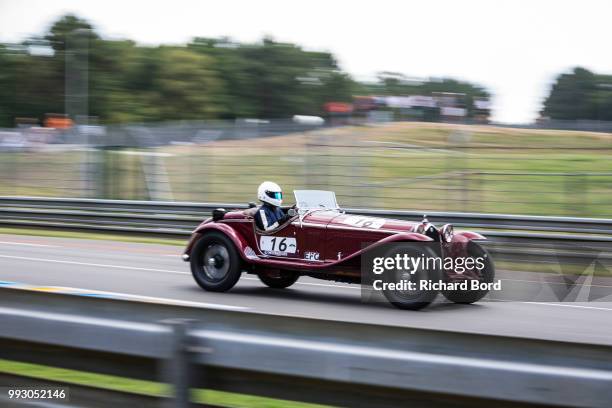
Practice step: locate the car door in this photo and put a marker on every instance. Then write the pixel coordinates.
(314, 236)
(312, 240)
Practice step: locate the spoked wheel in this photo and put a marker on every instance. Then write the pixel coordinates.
(215, 263)
(486, 275)
(278, 279)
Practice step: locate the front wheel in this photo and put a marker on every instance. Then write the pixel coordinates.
(215, 263)
(278, 279)
(486, 275)
(410, 299)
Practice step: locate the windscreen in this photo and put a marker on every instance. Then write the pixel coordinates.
(315, 199)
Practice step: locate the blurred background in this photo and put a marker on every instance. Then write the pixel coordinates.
(82, 115)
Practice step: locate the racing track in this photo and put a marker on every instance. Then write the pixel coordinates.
(157, 271)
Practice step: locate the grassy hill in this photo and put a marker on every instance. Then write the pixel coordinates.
(406, 165)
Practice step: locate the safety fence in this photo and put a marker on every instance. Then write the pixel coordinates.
(435, 167)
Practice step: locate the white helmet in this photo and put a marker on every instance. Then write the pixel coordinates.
(270, 193)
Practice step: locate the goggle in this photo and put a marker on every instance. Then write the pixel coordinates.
(277, 195)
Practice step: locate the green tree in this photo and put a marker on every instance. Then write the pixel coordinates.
(29, 85)
(32, 83)
(121, 82)
(209, 78)
(60, 34)
(572, 96)
(7, 88)
(272, 79)
(186, 85)
(580, 94)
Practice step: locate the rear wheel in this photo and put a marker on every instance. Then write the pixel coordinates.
(215, 263)
(278, 279)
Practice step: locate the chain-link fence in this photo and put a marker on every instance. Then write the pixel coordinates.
(415, 166)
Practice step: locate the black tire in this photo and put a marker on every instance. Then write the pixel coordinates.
(410, 300)
(280, 280)
(215, 263)
(474, 250)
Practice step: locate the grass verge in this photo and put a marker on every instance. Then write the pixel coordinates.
(211, 397)
(90, 235)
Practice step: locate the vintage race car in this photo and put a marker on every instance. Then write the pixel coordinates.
(322, 241)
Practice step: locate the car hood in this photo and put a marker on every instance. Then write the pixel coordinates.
(362, 222)
(331, 218)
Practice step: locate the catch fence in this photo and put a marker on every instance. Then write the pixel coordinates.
(429, 167)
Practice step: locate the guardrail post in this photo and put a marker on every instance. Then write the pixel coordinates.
(177, 369)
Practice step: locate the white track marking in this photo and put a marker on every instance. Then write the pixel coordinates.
(547, 304)
(566, 305)
(247, 278)
(154, 299)
(27, 244)
(555, 283)
(25, 258)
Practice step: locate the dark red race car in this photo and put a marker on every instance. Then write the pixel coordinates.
(322, 241)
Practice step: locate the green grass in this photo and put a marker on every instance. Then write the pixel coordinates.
(88, 235)
(121, 384)
(444, 178)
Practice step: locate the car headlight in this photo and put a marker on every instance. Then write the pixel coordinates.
(428, 230)
(447, 233)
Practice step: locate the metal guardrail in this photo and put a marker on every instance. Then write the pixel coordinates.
(511, 237)
(179, 215)
(338, 363)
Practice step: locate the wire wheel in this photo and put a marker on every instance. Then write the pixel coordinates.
(216, 262)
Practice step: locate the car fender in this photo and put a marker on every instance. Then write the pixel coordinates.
(225, 229)
(405, 236)
(470, 235)
(400, 237)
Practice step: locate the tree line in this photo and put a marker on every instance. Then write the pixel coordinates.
(208, 78)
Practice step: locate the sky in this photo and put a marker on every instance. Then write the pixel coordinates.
(514, 48)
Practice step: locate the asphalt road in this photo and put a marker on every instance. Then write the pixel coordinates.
(157, 271)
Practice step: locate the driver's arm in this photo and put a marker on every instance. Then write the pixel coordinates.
(286, 217)
(265, 222)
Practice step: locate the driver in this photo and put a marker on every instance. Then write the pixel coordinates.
(270, 215)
